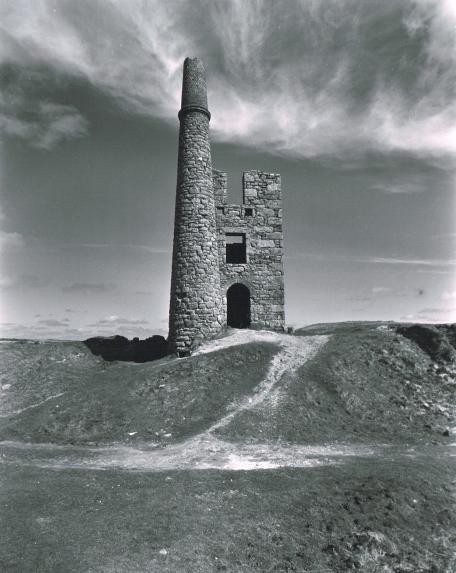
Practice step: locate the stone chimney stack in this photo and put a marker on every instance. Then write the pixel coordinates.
(195, 303)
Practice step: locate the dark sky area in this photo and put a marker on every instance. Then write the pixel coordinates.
(352, 102)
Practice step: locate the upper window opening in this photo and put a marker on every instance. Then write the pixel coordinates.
(235, 248)
(248, 212)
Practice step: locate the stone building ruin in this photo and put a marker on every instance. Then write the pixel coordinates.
(227, 267)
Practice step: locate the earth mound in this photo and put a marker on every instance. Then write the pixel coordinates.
(366, 383)
(438, 341)
(328, 450)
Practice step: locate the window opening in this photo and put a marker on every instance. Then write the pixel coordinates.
(235, 248)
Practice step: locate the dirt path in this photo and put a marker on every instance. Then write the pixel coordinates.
(206, 450)
(7, 415)
(295, 351)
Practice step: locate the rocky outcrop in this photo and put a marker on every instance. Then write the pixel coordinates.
(120, 348)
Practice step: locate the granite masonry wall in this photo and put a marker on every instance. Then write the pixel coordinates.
(196, 311)
(259, 218)
(204, 221)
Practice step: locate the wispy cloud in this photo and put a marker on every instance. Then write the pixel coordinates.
(23, 281)
(88, 288)
(381, 292)
(436, 314)
(416, 262)
(114, 320)
(398, 187)
(42, 123)
(53, 322)
(130, 327)
(116, 246)
(297, 77)
(436, 271)
(434, 311)
(449, 295)
(39, 331)
(60, 329)
(376, 290)
(10, 241)
(373, 260)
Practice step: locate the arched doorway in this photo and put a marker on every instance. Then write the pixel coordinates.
(238, 306)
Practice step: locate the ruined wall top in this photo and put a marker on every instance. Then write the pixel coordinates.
(194, 90)
(258, 187)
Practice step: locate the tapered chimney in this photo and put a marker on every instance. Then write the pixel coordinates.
(195, 302)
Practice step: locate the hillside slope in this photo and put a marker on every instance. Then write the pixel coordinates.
(330, 450)
(367, 384)
(360, 384)
(59, 392)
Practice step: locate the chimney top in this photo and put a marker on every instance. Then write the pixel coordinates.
(194, 90)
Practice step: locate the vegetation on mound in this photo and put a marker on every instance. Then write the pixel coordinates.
(84, 399)
(392, 513)
(366, 385)
(32, 371)
(120, 348)
(438, 341)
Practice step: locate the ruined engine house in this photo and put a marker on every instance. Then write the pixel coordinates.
(227, 267)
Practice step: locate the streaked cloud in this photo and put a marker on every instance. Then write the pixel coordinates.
(436, 315)
(404, 261)
(449, 295)
(88, 288)
(53, 322)
(381, 290)
(62, 330)
(51, 124)
(435, 272)
(28, 113)
(434, 311)
(116, 246)
(373, 260)
(296, 77)
(24, 281)
(125, 326)
(114, 320)
(10, 241)
(398, 187)
(39, 331)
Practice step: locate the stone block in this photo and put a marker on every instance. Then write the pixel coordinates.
(262, 243)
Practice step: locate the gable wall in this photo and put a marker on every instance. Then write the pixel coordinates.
(263, 271)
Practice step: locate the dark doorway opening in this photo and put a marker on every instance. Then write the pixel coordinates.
(238, 306)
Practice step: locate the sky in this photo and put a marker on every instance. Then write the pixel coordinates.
(353, 102)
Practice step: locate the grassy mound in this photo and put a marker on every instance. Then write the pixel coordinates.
(392, 512)
(367, 384)
(59, 392)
